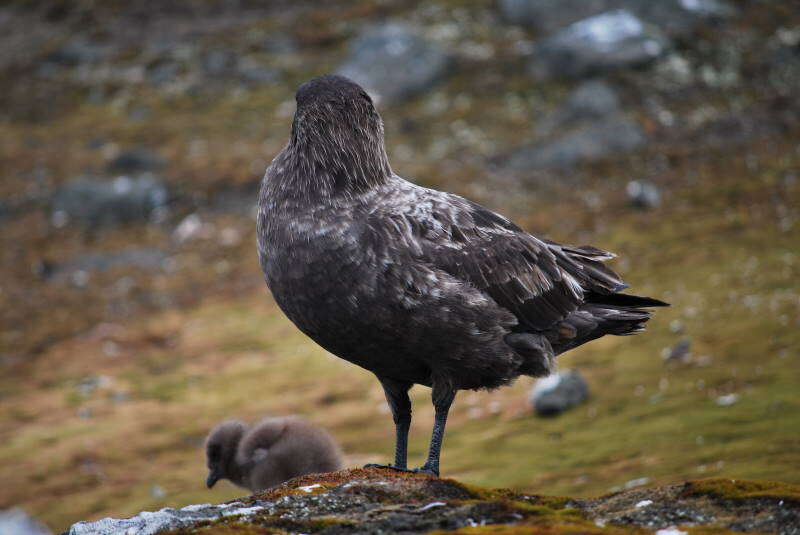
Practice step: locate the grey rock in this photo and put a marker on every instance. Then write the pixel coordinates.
(257, 74)
(78, 51)
(681, 17)
(673, 17)
(279, 44)
(608, 137)
(379, 501)
(643, 194)
(219, 62)
(17, 522)
(680, 351)
(549, 15)
(134, 160)
(107, 202)
(591, 100)
(80, 266)
(392, 62)
(599, 44)
(150, 523)
(784, 69)
(164, 72)
(559, 392)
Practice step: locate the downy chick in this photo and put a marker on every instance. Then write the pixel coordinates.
(269, 452)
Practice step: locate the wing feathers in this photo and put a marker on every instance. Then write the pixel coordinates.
(540, 282)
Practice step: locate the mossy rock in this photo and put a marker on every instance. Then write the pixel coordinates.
(742, 490)
(387, 501)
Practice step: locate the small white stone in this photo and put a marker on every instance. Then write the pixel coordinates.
(431, 506)
(727, 400)
(670, 531)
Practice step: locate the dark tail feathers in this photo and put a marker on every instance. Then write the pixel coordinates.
(617, 314)
(623, 300)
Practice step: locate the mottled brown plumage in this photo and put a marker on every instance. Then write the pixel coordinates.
(269, 452)
(416, 285)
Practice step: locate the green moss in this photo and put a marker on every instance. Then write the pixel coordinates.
(324, 522)
(742, 489)
(548, 526)
(707, 530)
(225, 527)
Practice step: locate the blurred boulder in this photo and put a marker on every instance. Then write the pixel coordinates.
(78, 51)
(673, 17)
(253, 73)
(680, 17)
(392, 62)
(591, 100)
(219, 62)
(163, 72)
(679, 352)
(607, 137)
(135, 160)
(784, 68)
(279, 44)
(549, 15)
(77, 269)
(605, 42)
(106, 202)
(643, 194)
(559, 392)
(17, 522)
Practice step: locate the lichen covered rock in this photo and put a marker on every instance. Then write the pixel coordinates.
(386, 501)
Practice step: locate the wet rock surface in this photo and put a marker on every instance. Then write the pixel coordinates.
(393, 62)
(386, 501)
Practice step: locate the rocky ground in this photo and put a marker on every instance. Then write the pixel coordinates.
(382, 501)
(133, 314)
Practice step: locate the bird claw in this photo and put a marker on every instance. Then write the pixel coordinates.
(421, 470)
(388, 467)
(426, 470)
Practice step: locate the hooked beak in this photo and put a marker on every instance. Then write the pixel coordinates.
(213, 477)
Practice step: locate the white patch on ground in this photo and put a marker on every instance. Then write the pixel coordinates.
(644, 503)
(670, 531)
(309, 488)
(431, 506)
(727, 400)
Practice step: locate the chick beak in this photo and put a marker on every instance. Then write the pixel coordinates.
(213, 477)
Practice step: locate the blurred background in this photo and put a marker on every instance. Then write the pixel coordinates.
(133, 314)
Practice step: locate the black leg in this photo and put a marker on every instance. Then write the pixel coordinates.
(400, 404)
(442, 395)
